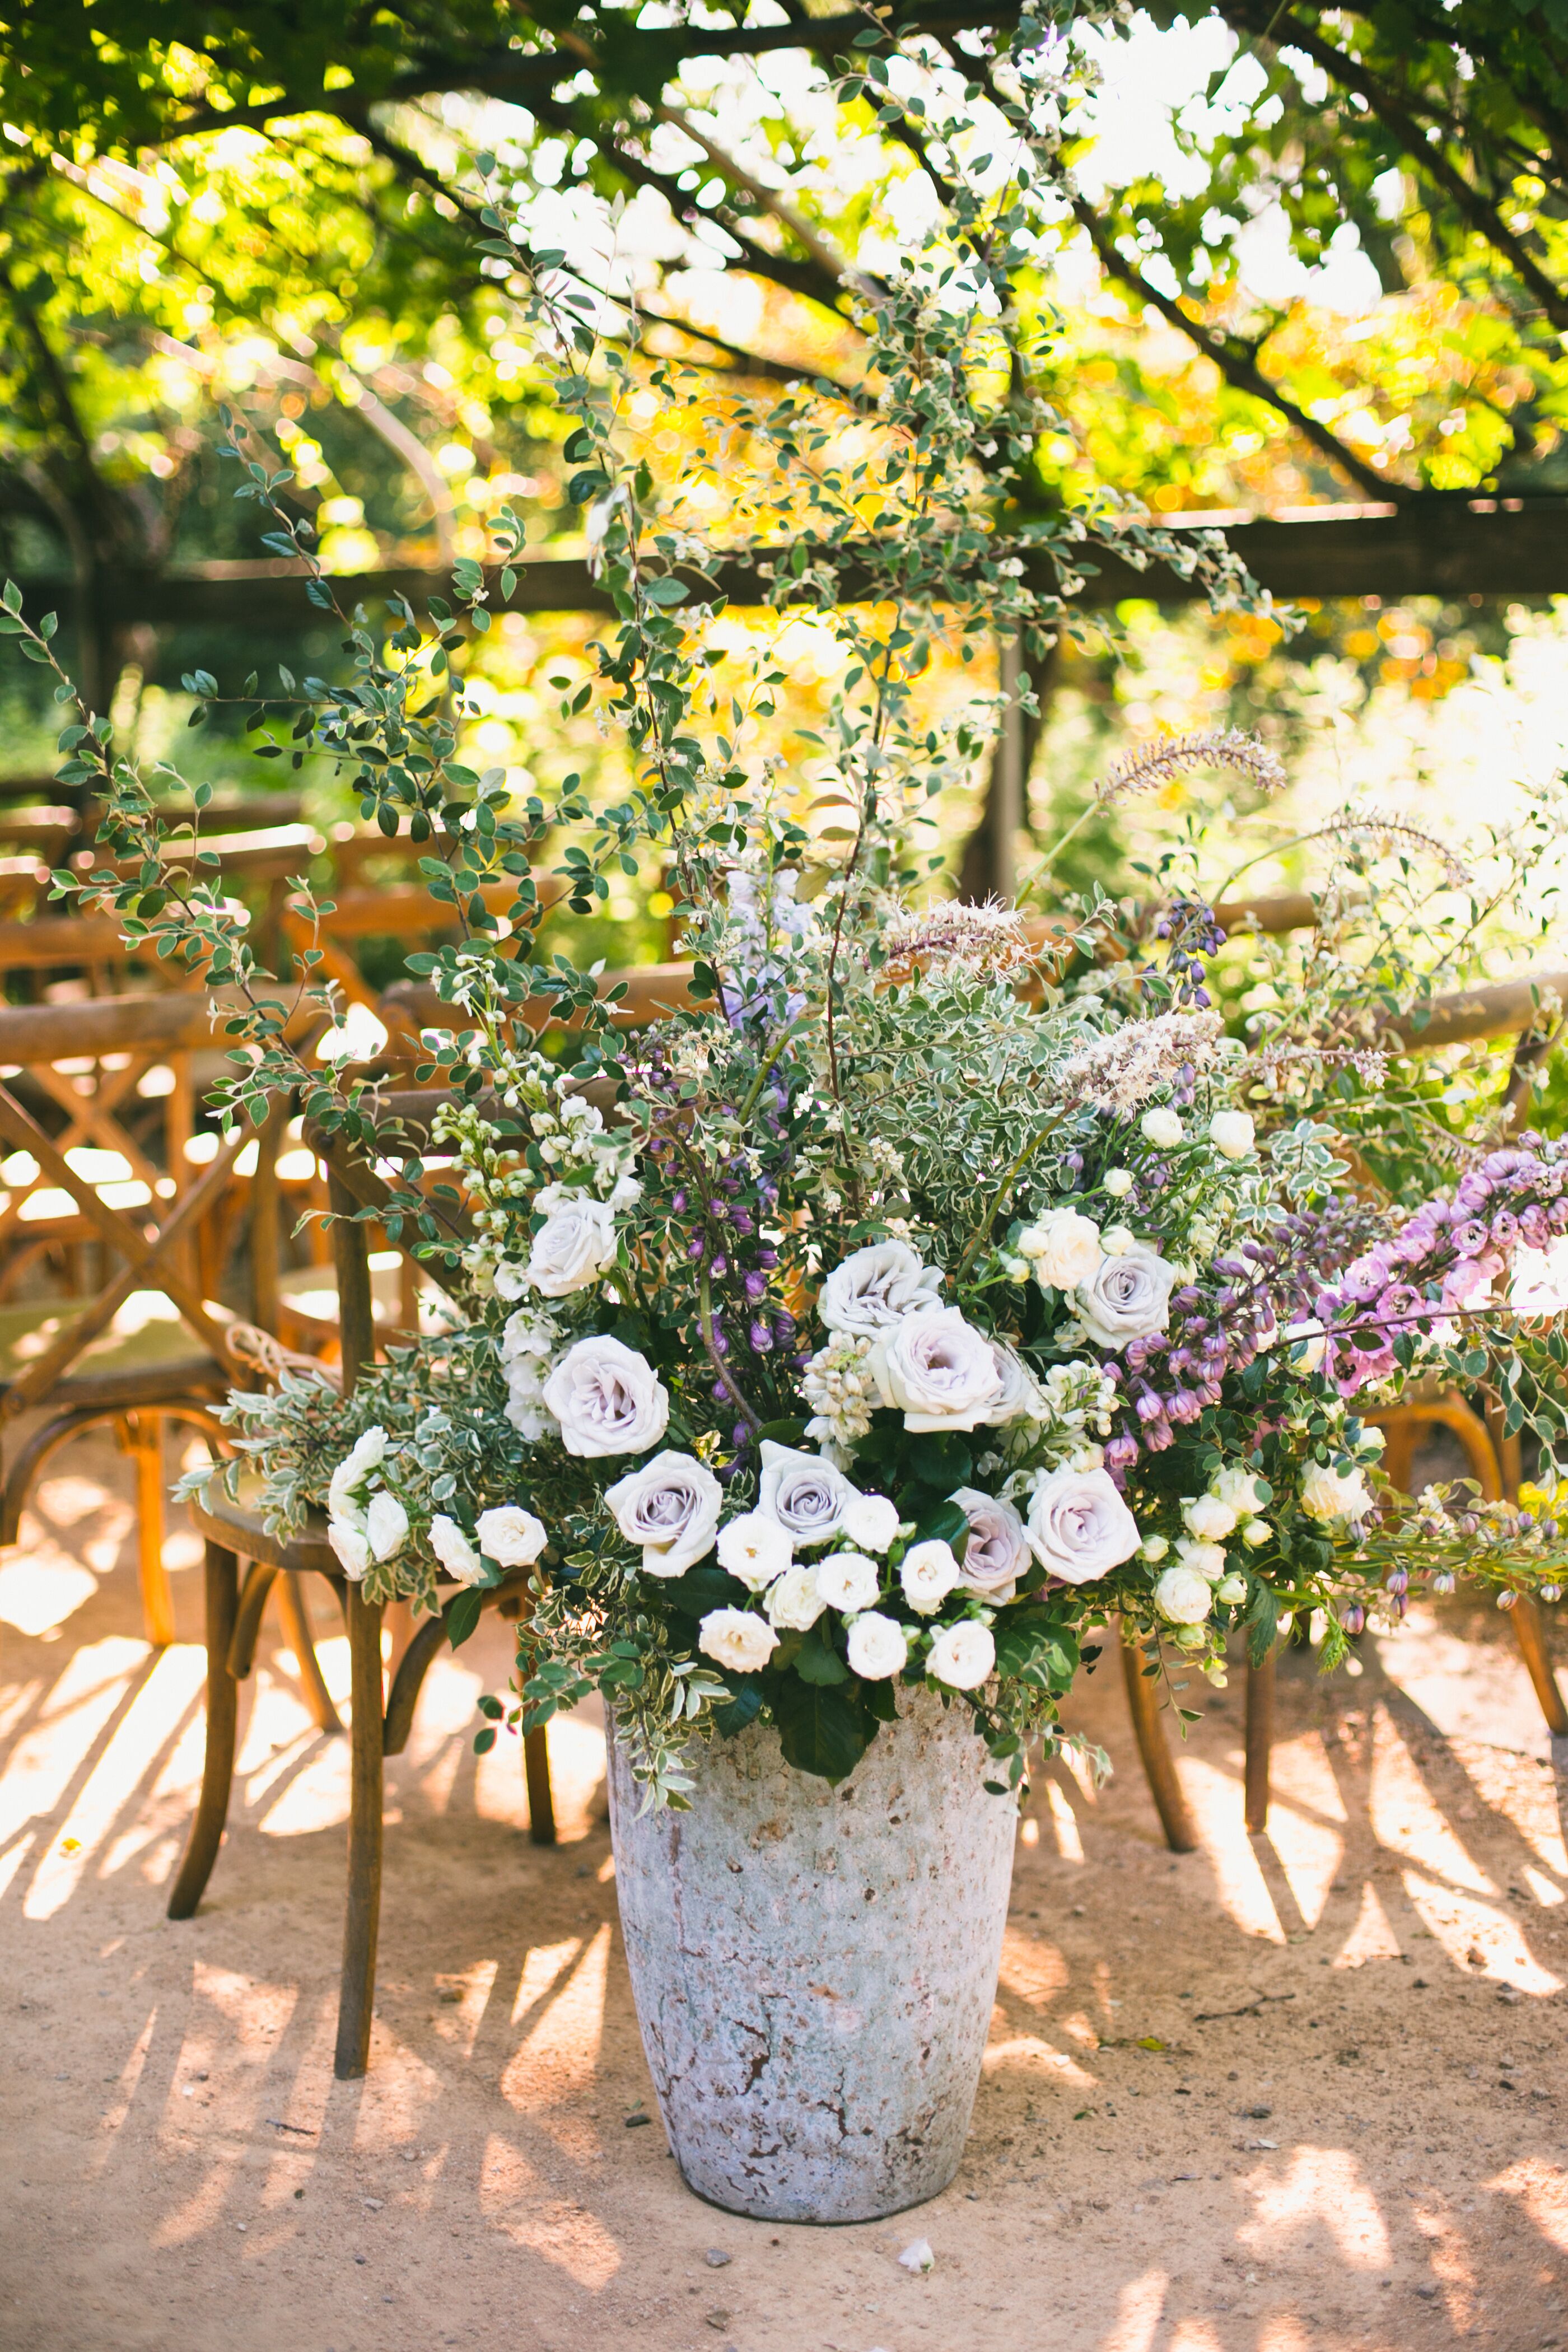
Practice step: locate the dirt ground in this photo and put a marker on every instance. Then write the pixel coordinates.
(1302, 2090)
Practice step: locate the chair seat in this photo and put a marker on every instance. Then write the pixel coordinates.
(147, 1349)
(239, 1527)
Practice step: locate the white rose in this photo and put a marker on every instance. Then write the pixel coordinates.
(1184, 1597)
(1117, 1182)
(385, 1525)
(1078, 1527)
(510, 1280)
(1241, 1489)
(1332, 1495)
(1128, 1298)
(997, 1552)
(754, 1549)
(530, 1333)
(670, 1506)
(1232, 1133)
(1257, 1532)
(1153, 1548)
(1208, 1517)
(512, 1537)
(847, 1580)
(878, 1648)
(1161, 1127)
(1022, 1397)
(870, 1520)
(1309, 1344)
(573, 1245)
(1231, 1588)
(737, 1639)
(1063, 1249)
(607, 1400)
(1206, 1559)
(805, 1494)
(455, 1552)
(794, 1602)
(1116, 1240)
(352, 1546)
(928, 1573)
(875, 1289)
(938, 1371)
(368, 1451)
(962, 1656)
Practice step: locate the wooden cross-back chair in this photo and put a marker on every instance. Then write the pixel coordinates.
(382, 1714)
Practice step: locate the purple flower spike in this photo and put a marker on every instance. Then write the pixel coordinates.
(761, 1337)
(721, 1267)
(756, 1285)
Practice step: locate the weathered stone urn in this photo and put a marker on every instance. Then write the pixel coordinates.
(814, 1967)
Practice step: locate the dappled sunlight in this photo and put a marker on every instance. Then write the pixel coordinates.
(1139, 2309)
(39, 1593)
(1320, 2193)
(1215, 1798)
(139, 1737)
(1406, 1818)
(555, 2060)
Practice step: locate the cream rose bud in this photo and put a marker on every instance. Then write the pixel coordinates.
(1117, 1182)
(573, 1245)
(962, 1656)
(805, 1494)
(1207, 1517)
(1153, 1548)
(794, 1602)
(873, 1290)
(754, 1549)
(1329, 1495)
(670, 1506)
(1231, 1588)
(1183, 1596)
(1204, 1559)
(737, 1639)
(847, 1580)
(877, 1647)
(385, 1525)
(1161, 1127)
(870, 1521)
(1241, 1489)
(455, 1552)
(928, 1573)
(1078, 1527)
(511, 1536)
(1128, 1297)
(937, 1371)
(608, 1399)
(1257, 1532)
(1063, 1246)
(997, 1552)
(1232, 1133)
(352, 1546)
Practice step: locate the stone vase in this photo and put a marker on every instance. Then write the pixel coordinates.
(814, 1967)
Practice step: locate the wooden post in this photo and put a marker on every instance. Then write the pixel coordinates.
(222, 1717)
(1007, 809)
(296, 1617)
(1159, 1766)
(351, 1256)
(144, 1439)
(1259, 1742)
(540, 1796)
(1529, 1633)
(265, 1237)
(362, 1920)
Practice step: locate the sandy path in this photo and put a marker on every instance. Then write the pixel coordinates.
(1351, 2130)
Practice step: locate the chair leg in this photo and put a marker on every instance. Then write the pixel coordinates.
(1159, 1768)
(541, 1797)
(362, 1920)
(1259, 1742)
(297, 1631)
(1529, 1631)
(144, 1436)
(222, 1714)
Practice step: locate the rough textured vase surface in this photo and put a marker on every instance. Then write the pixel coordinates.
(814, 1968)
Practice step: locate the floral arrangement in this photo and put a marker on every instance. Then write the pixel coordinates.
(931, 1290)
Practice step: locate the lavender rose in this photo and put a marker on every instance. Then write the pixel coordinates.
(573, 1245)
(670, 1506)
(607, 1400)
(806, 1496)
(997, 1552)
(1078, 1527)
(938, 1371)
(875, 1289)
(1126, 1297)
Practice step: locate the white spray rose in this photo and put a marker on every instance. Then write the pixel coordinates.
(878, 1648)
(1333, 1494)
(455, 1552)
(1128, 1298)
(997, 1552)
(796, 1600)
(1207, 1517)
(670, 1506)
(1232, 1133)
(385, 1525)
(928, 1573)
(511, 1536)
(1062, 1247)
(1078, 1527)
(1161, 1127)
(875, 1289)
(1183, 1597)
(962, 1656)
(367, 1453)
(608, 1399)
(806, 1496)
(754, 1549)
(847, 1580)
(1241, 1489)
(1309, 1344)
(1256, 1533)
(573, 1245)
(737, 1640)
(1205, 1559)
(937, 1371)
(352, 1546)
(870, 1521)
(1117, 1182)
